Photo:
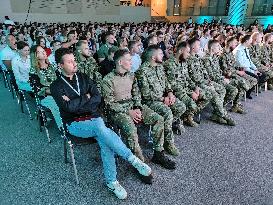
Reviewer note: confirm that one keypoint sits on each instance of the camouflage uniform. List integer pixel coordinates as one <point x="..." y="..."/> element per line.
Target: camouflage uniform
<point x="181" y="84"/>
<point x="46" y="77"/>
<point x="121" y="94"/>
<point x="153" y="86"/>
<point x="212" y="65"/>
<point x="91" y="68"/>
<point x="262" y="55"/>
<point x="209" y="90"/>
<point x="227" y="62"/>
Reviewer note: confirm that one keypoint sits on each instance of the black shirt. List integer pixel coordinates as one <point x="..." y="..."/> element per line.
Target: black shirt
<point x="77" y="106"/>
<point x="106" y="66"/>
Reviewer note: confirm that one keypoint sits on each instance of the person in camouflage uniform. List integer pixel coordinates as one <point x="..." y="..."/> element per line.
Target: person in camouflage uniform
<point x="227" y="63"/>
<point x="262" y="56"/>
<point x="211" y="63"/>
<point x="86" y="63"/>
<point x="42" y="74"/>
<point x="234" y="89"/>
<point x="157" y="94"/>
<point x="184" y="89"/>
<point x="209" y="89"/>
<point x="267" y="50"/>
<point x="123" y="101"/>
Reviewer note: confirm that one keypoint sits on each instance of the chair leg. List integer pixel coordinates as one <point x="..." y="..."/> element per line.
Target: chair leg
<point x="265" y="86"/>
<point x="245" y="96"/>
<point x="150" y="135"/>
<point x="44" y="123"/>
<point x="4" y="78"/>
<point x="73" y="161"/>
<point x="257" y="90"/>
<point x="21" y="99"/>
<point x="65" y="152"/>
<point x="28" y="110"/>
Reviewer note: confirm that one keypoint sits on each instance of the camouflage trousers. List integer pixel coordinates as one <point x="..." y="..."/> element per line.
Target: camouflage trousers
<point x="129" y="129"/>
<point x="250" y="81"/>
<point x="214" y="93"/>
<point x="191" y="107"/>
<point x="242" y="85"/>
<point x="267" y="71"/>
<point x="231" y="92"/>
<point x="169" y="114"/>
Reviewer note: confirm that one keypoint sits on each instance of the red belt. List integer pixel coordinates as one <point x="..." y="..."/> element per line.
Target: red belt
<point x="78" y="119"/>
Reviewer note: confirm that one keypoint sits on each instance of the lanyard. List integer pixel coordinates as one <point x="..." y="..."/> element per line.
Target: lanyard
<point x="78" y="86"/>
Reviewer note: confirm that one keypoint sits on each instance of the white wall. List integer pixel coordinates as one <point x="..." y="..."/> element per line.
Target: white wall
<point x="126" y="14"/>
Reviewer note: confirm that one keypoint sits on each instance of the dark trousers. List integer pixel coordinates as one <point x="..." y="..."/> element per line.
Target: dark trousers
<point x="260" y="78"/>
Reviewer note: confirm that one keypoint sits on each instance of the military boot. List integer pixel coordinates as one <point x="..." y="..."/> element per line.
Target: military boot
<point x="171" y="149"/>
<point x="229" y="120"/>
<point x="270" y="87"/>
<point x="218" y="119"/>
<point x="189" y="121"/>
<point x="178" y="127"/>
<point x="161" y="159"/>
<point x="237" y="109"/>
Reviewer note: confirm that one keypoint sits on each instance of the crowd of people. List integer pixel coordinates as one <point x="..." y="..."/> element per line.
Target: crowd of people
<point x="156" y="74"/>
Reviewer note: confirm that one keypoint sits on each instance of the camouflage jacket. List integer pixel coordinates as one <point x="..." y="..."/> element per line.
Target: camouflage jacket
<point x="120" y="92"/>
<point x="90" y="68"/>
<point x="212" y="65"/>
<point x="227" y="63"/>
<point x="44" y="80"/>
<point x="197" y="71"/>
<point x="256" y="55"/>
<point x="152" y="82"/>
<point x="267" y="54"/>
<point x="178" y="76"/>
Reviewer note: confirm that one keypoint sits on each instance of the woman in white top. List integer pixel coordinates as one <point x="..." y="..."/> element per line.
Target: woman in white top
<point x="21" y="66"/>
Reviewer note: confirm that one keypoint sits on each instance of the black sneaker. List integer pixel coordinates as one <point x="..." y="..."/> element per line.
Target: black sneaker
<point x="161" y="159"/>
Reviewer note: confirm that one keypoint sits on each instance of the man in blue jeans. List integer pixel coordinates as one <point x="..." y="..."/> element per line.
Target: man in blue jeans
<point x="78" y="99"/>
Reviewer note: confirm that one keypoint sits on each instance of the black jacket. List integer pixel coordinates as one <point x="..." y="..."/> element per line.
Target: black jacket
<point x="77" y="106"/>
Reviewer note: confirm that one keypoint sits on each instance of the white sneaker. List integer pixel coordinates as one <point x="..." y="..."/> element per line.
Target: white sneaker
<point x="141" y="167"/>
<point x="117" y="189"/>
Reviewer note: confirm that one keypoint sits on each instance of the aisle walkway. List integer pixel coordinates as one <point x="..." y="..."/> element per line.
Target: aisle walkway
<point x="218" y="164"/>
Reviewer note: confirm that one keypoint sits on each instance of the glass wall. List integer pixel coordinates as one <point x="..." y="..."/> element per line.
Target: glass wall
<point x="196" y="8"/>
<point x="262" y="8"/>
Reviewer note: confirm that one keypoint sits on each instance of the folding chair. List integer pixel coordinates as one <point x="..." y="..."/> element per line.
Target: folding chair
<point x="72" y="141"/>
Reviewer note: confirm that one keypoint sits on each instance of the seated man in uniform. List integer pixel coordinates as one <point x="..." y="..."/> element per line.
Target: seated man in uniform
<point x="157" y="94"/>
<point x="122" y="99"/>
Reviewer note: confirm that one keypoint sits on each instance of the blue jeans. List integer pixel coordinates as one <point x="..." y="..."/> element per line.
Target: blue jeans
<point x="108" y="140"/>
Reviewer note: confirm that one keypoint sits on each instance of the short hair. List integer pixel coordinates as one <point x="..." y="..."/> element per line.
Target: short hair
<point x="211" y="32"/>
<point x="131" y="44"/>
<point x="148" y="53"/>
<point x="192" y="41"/>
<point x="80" y="43"/>
<point x="150" y="37"/>
<point x="21" y="45"/>
<point x="119" y="54"/>
<point x="245" y="38"/>
<point x="59" y="53"/>
<point x="267" y="36"/>
<point x="159" y="33"/>
<point x="205" y="31"/>
<point x="211" y="43"/>
<point x="71" y="32"/>
<point x="229" y="40"/>
<point x="182" y="44"/>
